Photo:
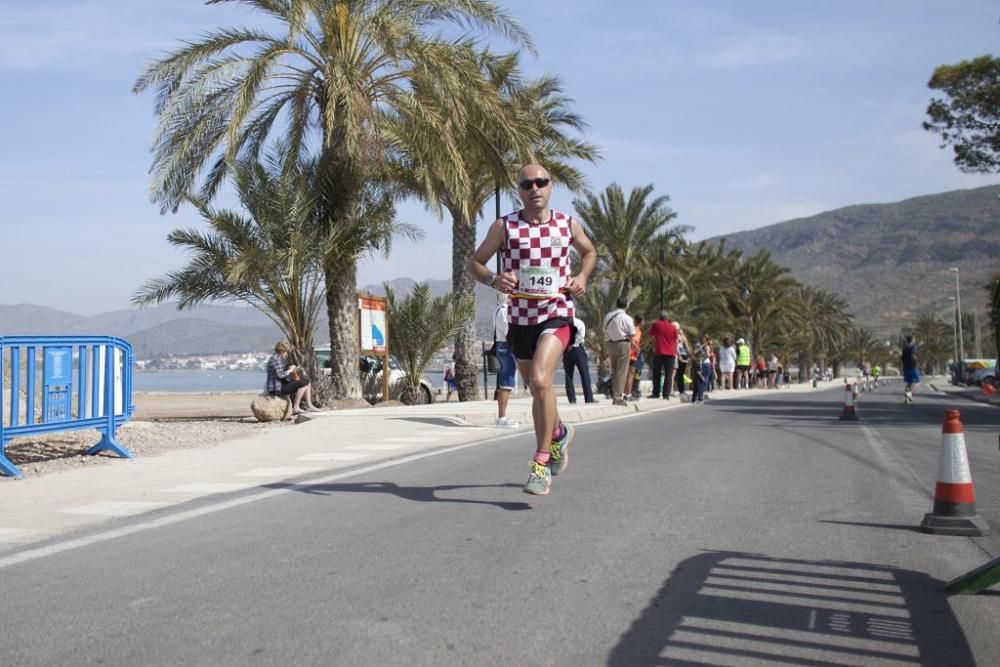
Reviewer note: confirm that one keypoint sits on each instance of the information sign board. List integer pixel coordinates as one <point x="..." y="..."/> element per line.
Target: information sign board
<point x="57" y="383"/>
<point x="373" y="324"/>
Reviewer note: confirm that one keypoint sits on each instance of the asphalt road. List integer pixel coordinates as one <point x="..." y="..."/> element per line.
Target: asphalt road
<point x="749" y="531"/>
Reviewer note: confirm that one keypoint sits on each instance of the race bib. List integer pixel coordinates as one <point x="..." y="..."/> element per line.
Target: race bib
<point x="538" y="282"/>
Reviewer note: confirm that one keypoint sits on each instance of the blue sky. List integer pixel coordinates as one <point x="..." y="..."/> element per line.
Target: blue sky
<point x="745" y="113"/>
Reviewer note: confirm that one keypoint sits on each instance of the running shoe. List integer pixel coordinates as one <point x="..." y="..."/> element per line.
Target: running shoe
<point x="507" y="422"/>
<point x="560" y="451"/>
<point x="539" y="481"/>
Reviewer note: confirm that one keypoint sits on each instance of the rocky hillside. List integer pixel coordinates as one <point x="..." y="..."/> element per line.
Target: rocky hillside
<point x="892" y="261"/>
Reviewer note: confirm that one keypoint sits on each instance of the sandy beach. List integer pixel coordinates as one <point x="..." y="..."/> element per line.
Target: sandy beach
<point x="162" y="422"/>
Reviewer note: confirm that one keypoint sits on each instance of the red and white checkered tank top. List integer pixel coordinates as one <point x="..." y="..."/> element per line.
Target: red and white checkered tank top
<point x="539" y="254"/>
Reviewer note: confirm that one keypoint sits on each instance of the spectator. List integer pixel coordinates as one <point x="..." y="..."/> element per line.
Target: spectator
<point x="683" y="356"/>
<point x="618" y="330"/>
<point x="450" y="384"/>
<point x="727" y="363"/>
<point x="507" y="365"/>
<point x="575" y="357"/>
<point x="287" y="380"/>
<point x="760" y="366"/>
<point x="743" y="362"/>
<point x="698" y="376"/>
<point x="664" y="335"/>
<point x="772" y="371"/>
<point x="635" y="353"/>
<point x="710" y="362"/>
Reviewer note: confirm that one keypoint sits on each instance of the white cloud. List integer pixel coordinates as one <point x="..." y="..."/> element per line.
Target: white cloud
<point x="71" y="35"/>
<point x="757" y="181"/>
<point x="753" y="49"/>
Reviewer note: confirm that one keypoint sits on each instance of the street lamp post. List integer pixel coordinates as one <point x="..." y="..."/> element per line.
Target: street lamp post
<point x="662" y="260"/>
<point x="954" y="337"/>
<point x="958" y="308"/>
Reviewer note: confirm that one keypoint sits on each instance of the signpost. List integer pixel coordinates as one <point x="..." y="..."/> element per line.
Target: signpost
<point x="373" y="333"/>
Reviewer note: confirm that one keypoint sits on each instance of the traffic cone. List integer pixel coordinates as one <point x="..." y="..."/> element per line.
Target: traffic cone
<point x="954" y="495"/>
<point x="848" y="414"/>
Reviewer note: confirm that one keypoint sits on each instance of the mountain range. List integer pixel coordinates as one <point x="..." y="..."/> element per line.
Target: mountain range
<point x="888" y="261"/>
<point x="891" y="262"/>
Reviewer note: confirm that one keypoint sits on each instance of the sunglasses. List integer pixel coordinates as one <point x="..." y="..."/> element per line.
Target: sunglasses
<point x="537" y="182"/>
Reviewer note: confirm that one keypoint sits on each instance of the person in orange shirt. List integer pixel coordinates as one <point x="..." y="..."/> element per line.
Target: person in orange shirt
<point x="633" y="357"/>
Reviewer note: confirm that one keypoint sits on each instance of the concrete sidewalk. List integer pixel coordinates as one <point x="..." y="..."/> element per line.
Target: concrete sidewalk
<point x="44" y="507"/>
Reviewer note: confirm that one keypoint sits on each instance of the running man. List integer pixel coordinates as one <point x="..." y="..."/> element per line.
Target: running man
<point x="535" y="247"/>
<point x="911" y="370"/>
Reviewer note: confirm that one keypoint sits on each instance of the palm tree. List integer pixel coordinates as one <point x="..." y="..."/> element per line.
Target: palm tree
<point x="268" y="258"/>
<point x="760" y="307"/>
<point x="419" y="326"/>
<point x="337" y="76"/>
<point x="622" y="231"/>
<point x="935" y="340"/>
<point x="821" y="324"/>
<point x="861" y="346"/>
<point x="993" y="288"/>
<point x="701" y="283"/>
<point x="537" y="128"/>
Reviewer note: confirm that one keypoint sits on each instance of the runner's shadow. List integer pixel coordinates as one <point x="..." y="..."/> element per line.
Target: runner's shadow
<point x="422" y="494"/>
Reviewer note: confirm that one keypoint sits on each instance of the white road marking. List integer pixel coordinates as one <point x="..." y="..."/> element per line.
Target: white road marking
<point x="14" y="534"/>
<point x="332" y="456"/>
<point x="68" y="545"/>
<point x="378" y="447"/>
<point x="210" y="487"/>
<point x="414" y="438"/>
<point x="115" y="508"/>
<point x="278" y="472"/>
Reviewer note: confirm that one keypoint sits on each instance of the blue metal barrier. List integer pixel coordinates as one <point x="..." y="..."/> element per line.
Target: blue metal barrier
<point x="103" y="389"/>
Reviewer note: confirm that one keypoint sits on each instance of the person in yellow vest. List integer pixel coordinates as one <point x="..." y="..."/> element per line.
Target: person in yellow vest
<point x="743" y="361"/>
<point x="876" y="373"/>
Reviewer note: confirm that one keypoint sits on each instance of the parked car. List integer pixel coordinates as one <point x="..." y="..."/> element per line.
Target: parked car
<point x="982" y="376"/>
<point x="370" y="369"/>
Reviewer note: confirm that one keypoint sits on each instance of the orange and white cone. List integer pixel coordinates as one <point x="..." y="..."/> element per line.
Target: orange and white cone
<point x="954" y="494"/>
<point x="848" y="414"/>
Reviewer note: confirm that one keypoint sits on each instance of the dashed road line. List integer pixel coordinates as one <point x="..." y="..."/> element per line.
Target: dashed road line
<point x="286" y="471"/>
<point x="332" y="456"/>
<point x="379" y="447"/>
<point x="210" y="487"/>
<point x="115" y="508"/>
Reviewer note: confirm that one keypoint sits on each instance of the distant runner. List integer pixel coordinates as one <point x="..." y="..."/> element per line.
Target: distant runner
<point x="911" y="370"/>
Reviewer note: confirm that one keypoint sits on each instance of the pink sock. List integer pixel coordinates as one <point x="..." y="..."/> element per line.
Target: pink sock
<point x="542" y="457"/>
<point x="559" y="432"/>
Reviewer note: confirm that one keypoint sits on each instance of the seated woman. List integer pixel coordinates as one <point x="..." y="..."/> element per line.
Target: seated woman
<point x="283" y="380"/>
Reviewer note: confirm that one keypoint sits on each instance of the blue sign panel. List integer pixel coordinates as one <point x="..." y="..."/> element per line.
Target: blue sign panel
<point x="57" y="374"/>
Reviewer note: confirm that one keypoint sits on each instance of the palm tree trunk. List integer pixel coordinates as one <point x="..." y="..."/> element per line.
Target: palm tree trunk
<point x="463" y="245"/>
<point x="342" y="309"/>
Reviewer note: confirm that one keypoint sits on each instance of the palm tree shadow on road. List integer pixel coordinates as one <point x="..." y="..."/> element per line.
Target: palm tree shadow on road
<point x="722" y="608"/>
<point x="423" y="494"/>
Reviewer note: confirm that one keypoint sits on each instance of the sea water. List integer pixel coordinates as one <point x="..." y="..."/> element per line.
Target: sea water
<point x="201" y="381"/>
